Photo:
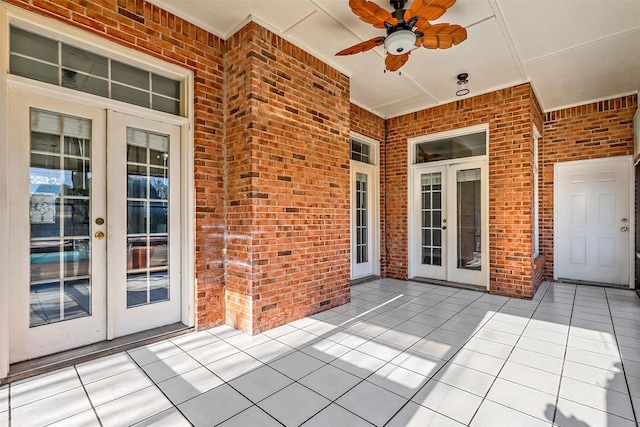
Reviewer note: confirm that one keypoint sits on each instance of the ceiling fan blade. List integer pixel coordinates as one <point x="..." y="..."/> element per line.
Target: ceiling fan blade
<point x="362" y="47"/>
<point x="427" y="10"/>
<point x="394" y="62"/>
<point x="442" y="36"/>
<point x="371" y="13"/>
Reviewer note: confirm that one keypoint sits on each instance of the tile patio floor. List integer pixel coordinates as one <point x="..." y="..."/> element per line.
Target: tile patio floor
<point x="400" y="354"/>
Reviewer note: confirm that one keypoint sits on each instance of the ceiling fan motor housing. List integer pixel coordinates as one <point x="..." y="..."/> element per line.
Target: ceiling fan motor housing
<point x="398" y="4"/>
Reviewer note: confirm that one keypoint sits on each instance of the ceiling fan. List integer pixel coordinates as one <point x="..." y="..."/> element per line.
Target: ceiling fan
<point x="407" y="29"/>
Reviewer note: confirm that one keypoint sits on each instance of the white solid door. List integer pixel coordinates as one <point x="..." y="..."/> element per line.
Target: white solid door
<point x="144" y="224"/>
<point x="593" y="221"/>
<point x="57" y="208"/>
<point x="364" y="238"/>
<point x="449" y="230"/>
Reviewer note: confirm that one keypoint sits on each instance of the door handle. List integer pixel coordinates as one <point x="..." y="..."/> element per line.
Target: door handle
<point x="99" y="235"/>
<point x="624" y="228"/>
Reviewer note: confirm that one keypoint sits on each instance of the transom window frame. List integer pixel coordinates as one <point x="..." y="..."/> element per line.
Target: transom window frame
<point x="63" y="33"/>
<point x="114" y="79"/>
<point x="415" y="141"/>
<point x="11" y="15"/>
<point x="374" y="148"/>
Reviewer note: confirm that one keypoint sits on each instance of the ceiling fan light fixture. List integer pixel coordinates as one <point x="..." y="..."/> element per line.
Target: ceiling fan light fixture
<point x="400" y="42"/>
<point x="462" y="84"/>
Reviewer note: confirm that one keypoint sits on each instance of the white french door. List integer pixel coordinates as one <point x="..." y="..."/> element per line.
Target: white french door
<point x="449" y="223"/>
<point x="94" y="225"/>
<point x="364" y="236"/>
<point x="594" y="221"/>
<point x="143" y="192"/>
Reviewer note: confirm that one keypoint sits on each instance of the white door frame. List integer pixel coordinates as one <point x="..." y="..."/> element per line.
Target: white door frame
<point x="631" y="216"/>
<point x="40" y="95"/>
<point x="373" y="170"/>
<point x="449" y="209"/>
<point x="4" y="197"/>
<point x="414" y="169"/>
<point x="10" y="14"/>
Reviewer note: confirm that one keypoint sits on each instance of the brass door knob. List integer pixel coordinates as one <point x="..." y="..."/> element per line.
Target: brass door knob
<point x="99" y="235"/>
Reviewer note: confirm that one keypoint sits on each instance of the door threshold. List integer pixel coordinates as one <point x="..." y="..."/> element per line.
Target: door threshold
<point x="588" y="283"/>
<point x="364" y="279"/>
<point x="63" y="359"/>
<point x="449" y="284"/>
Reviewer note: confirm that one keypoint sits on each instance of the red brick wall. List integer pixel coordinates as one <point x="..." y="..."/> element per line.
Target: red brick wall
<point x="146" y="28"/>
<point x="591" y="131"/>
<point x="508" y="113"/>
<point x="289" y="177"/>
<point x="366" y="123"/>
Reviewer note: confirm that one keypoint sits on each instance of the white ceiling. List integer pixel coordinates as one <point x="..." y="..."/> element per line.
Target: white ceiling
<point x="572" y="51"/>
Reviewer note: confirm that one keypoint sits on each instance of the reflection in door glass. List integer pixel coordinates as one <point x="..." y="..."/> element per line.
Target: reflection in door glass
<point x="147" y="217"/>
<point x="59" y="213"/>
<point x="431" y="225"/>
<point x="362" y="233"/>
<point x="469" y="219"/>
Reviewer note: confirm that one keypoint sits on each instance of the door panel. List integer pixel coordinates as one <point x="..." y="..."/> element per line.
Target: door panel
<point x="468" y="240"/>
<point x="145" y="275"/>
<point x="57" y="193"/>
<point x="430" y="253"/>
<point x="592" y="218"/>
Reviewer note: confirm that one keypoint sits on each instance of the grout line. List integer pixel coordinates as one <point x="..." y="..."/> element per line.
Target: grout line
<point x="93" y="407"/>
<point x="564" y="357"/>
<point x="484" y="398"/>
<point x="430" y="378"/>
<point x="624" y="373"/>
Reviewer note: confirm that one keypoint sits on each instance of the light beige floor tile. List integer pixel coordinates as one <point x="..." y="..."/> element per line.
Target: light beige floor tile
<point x="521" y="398"/>
<point x="214" y="406"/>
<point x="398" y="380"/>
<point x="42" y="386"/>
<point x="492" y="414"/>
<point x="334" y="415"/>
<point x="294" y="404"/>
<point x="371" y="402"/>
<point x="51" y="409"/>
<point x="448" y="400"/>
<point x="414" y="415"/>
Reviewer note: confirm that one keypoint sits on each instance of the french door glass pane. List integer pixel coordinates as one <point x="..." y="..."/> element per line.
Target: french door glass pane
<point x="431" y="218"/>
<point x="362" y="246"/>
<point x="59" y="215"/>
<point x="469" y="219"/>
<point x="147" y="217"/>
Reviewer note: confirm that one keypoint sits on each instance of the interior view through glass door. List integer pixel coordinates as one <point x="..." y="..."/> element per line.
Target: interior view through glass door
<point x="95" y="238"/>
